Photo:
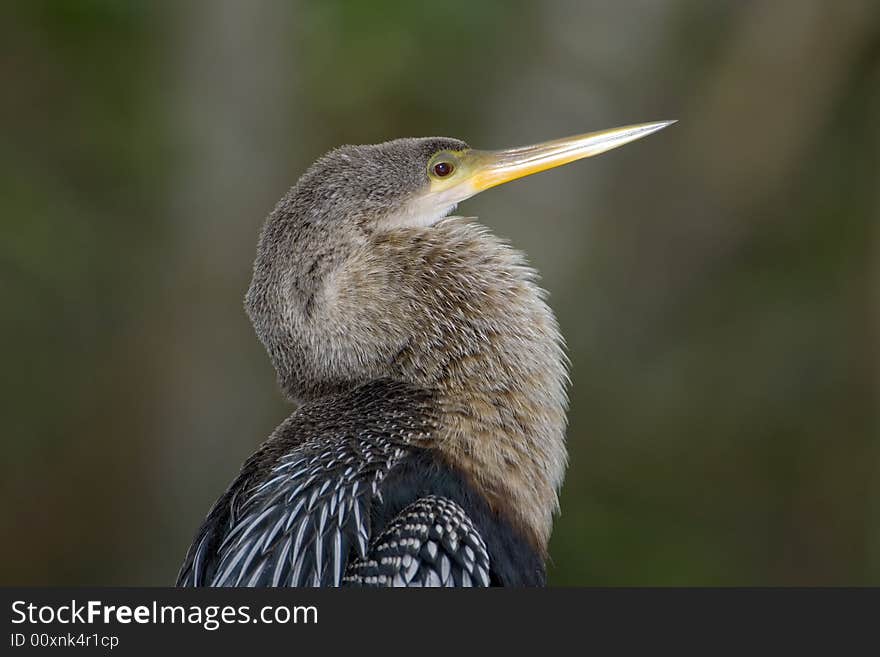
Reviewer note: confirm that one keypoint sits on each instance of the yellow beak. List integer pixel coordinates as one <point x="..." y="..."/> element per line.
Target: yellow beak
<point x="491" y="168"/>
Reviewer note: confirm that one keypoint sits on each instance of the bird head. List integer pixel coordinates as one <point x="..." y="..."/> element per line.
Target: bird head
<point x="418" y="181"/>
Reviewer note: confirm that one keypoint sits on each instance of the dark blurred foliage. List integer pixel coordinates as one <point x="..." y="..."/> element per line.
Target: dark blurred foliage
<point x="717" y="282"/>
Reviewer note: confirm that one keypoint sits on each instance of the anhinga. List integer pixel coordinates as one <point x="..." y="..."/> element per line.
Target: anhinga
<point x="429" y="444"/>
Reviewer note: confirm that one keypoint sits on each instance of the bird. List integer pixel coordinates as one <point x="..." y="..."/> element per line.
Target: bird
<point x="430" y="379"/>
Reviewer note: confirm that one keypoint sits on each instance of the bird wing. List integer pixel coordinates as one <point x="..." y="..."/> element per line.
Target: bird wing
<point x="300" y="509"/>
<point x="299" y="524"/>
<point x="431" y="542"/>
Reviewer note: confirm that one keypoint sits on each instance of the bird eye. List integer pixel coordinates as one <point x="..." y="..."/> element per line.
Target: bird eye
<point x="443" y="169"/>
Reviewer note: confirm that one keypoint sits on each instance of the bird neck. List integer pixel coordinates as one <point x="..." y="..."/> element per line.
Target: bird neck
<point x="488" y="344"/>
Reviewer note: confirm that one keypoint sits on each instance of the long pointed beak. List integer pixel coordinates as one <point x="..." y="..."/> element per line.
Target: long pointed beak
<point x="491" y="168"/>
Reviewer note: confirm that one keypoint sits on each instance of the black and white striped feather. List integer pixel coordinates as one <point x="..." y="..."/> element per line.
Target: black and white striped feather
<point x="432" y="542"/>
<point x="299" y="525"/>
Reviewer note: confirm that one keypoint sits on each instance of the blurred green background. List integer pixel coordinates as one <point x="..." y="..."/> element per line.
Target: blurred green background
<point x="718" y="283"/>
